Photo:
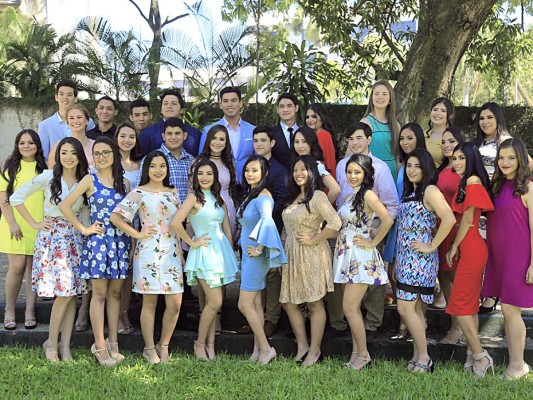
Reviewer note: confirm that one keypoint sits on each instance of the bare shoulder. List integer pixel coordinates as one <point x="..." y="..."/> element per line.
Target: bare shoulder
<point x="265" y="192"/>
<point x="473" y="180"/>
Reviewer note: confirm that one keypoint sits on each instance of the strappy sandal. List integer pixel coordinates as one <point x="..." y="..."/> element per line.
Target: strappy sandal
<point x="158" y="348"/>
<point x="117" y="357"/>
<point x="366" y="360"/>
<point x="197" y="346"/>
<point x="468" y="364"/>
<point x="30" y="322"/>
<point x="126" y="329"/>
<point x="411" y="365"/>
<point x="424" y="368"/>
<point x="148" y="356"/>
<point x="50" y="355"/>
<point x="81" y="321"/>
<point x="10" y="323"/>
<point x="346" y="364"/>
<point x="480" y="356"/>
<point x="452" y="337"/>
<point x="109" y="362"/>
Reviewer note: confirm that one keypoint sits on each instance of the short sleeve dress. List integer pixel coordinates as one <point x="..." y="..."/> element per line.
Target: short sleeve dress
<point x="104" y="256"/>
<point x="157" y="265"/>
<point x="448" y="184"/>
<point x="307" y="277"/>
<point x="381" y="144"/>
<point x="509" y="246"/>
<point x="216" y="264"/>
<point x="416" y="272"/>
<point x="34" y="204"/>
<point x="473" y="254"/>
<point x="351" y="263"/>
<point x="258" y="228"/>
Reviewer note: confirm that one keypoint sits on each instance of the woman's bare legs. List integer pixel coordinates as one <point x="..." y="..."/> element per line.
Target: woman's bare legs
<point x="446" y="283"/>
<point x="19" y="265"/>
<point x="124" y="323"/>
<point x="413" y="315"/>
<point x="170" y="318"/>
<point x="60" y="309"/>
<point x="97" y="306"/>
<point x="113" y="313"/>
<point x="515" y="332"/>
<point x="67" y="327"/>
<point x="297" y="321"/>
<point x="318" y="324"/>
<point x="147" y="327"/>
<point x="351" y="304"/>
<point x="210" y="302"/>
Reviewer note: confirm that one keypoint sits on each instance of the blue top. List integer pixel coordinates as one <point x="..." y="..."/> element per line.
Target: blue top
<point x="381" y="144"/>
<point x="151" y="138"/>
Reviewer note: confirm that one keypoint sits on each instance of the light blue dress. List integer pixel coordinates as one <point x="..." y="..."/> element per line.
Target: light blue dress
<point x="216" y="263"/>
<point x="381" y="144"/>
<point x="258" y="228"/>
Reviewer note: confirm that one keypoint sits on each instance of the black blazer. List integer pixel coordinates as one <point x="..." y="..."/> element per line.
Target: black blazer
<point x="281" y="150"/>
<point x="277" y="184"/>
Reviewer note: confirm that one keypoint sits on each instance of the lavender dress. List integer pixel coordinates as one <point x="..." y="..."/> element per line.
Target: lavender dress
<point x="508" y="240"/>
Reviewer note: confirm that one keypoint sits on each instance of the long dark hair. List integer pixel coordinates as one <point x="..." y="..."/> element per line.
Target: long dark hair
<point x="501" y="129"/>
<point x="12" y="165"/>
<point x="249" y="193"/>
<point x="135" y="153"/>
<point x="215" y="188"/>
<point x="312" y="140"/>
<point x="314" y="182"/>
<point x="473" y="167"/>
<point x="327" y="125"/>
<point x="365" y="162"/>
<point x="429" y="174"/>
<point x="420" y="138"/>
<point x="450" y="111"/>
<point x="459" y="135"/>
<point x="116" y="167"/>
<point x="145" y="177"/>
<point x="523" y="174"/>
<point x="226" y="157"/>
<point x="82" y="168"/>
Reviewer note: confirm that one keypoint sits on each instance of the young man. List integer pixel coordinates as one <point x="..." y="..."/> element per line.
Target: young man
<point x="106" y="111"/>
<point x="359" y="137"/>
<point x="140" y="114"/>
<point x="172" y="105"/>
<point x="54" y="128"/>
<point x="240" y="131"/>
<point x="287" y="106"/>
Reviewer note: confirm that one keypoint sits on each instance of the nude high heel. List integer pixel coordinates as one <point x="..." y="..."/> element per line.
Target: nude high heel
<point x="109" y="362"/>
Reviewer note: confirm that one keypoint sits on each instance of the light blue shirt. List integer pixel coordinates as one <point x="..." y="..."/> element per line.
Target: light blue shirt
<point x="53" y="129"/>
<point x="285" y="129"/>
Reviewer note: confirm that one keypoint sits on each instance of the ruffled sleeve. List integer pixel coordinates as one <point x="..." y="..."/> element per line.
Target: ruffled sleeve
<point x="322" y="171"/>
<point x="266" y="234"/>
<point x="129" y="205"/>
<point x="40" y="182"/>
<point x="475" y="196"/>
<point x="321" y="205"/>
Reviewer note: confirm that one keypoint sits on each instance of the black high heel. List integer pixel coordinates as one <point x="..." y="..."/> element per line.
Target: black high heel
<point x="302" y="358"/>
<point x="488" y="310"/>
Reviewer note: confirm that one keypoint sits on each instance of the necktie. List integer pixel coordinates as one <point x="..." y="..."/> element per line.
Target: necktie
<point x="291" y="135"/>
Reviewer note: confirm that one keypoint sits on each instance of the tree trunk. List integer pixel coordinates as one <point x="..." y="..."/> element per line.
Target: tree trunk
<point x="154" y="63"/>
<point x="445" y="29"/>
<point x="523" y="92"/>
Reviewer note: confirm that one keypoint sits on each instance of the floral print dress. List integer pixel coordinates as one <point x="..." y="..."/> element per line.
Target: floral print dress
<point x="157" y="260"/>
<point x="354" y="264"/>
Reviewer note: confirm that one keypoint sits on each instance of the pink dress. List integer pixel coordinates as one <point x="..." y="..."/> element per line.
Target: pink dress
<point x="448" y="184"/>
<point x="508" y="239"/>
<point x="224" y="179"/>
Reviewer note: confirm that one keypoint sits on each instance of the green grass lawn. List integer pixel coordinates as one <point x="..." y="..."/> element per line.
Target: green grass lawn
<point x="25" y="374"/>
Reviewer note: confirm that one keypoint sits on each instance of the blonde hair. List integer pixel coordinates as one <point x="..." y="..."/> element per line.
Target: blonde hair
<point x="77" y="106"/>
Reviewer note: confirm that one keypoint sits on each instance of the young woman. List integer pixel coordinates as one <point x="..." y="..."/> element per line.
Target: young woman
<point x="106" y="250"/>
<point x="56" y="264"/>
<point x="126" y="138"/>
<point x="471" y="251"/>
<point x="157" y="267"/>
<point x="261" y="250"/>
<point x="441" y="116"/>
<point x="77" y="120"/>
<point x="357" y="262"/>
<point x="417" y="260"/>
<point x="217" y="148"/>
<point x="307" y="276"/>
<point x="509" y="272"/>
<point x="411" y="137"/>
<point x="18" y="237"/>
<point x="381" y="116"/>
<point x="306" y="143"/>
<point x="316" y="118"/>
<point x="211" y="261"/>
<point x="448" y="184"/>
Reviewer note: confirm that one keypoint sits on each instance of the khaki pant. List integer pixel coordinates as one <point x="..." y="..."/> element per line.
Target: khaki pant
<point x="272" y="290"/>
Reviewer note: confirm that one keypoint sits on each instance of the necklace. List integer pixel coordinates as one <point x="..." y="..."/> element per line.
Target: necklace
<point x="215" y="157"/>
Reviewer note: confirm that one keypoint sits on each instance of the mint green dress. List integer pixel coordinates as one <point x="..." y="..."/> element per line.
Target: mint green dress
<point x="381" y="144"/>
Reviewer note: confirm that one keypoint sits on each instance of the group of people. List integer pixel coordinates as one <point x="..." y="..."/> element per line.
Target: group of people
<point x="84" y="213"/>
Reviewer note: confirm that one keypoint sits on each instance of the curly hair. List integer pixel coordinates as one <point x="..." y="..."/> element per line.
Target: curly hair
<point x="523" y="174"/>
<point x="365" y="162"/>
<point x="195" y="183"/>
<point x="314" y="182"/>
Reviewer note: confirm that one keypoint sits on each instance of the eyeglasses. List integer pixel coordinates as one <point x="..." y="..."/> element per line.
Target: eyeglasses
<point x="104" y="153"/>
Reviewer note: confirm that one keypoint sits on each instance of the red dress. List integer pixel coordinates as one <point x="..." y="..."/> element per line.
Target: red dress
<point x="326" y="144"/>
<point x="473" y="254"/>
<point x="448" y="184"/>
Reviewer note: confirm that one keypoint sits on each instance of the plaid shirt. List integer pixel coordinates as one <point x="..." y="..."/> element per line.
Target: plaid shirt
<point x="178" y="169"/>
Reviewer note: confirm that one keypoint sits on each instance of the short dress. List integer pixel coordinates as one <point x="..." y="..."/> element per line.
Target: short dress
<point x="258" y="228"/>
<point x="381" y="144"/>
<point x="105" y="256"/>
<point x="307" y="277"/>
<point x="57" y="254"/>
<point x="351" y="263"/>
<point x="505" y="275"/>
<point x="157" y="266"/>
<point x="34" y="204"/>
<point x="225" y="181"/>
<point x="448" y="184"/>
<point x="216" y="264"/>
<point x="416" y="272"/>
<point x="473" y="255"/>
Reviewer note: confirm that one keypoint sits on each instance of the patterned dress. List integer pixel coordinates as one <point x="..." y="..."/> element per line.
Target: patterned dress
<point x="416" y="272"/>
<point x="353" y="264"/>
<point x="104" y="256"/>
<point x="157" y="260"/>
<point x="307" y="277"/>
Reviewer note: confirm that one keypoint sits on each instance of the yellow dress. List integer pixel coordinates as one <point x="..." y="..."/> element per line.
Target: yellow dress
<point x="308" y="276"/>
<point x="34" y="203"/>
<point x="435" y="149"/>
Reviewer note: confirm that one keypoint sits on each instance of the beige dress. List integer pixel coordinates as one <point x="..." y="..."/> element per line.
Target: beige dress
<point x="308" y="275"/>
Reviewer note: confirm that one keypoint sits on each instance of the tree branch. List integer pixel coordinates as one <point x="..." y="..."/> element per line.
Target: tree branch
<point x="169" y="21"/>
<point x="141" y="12"/>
